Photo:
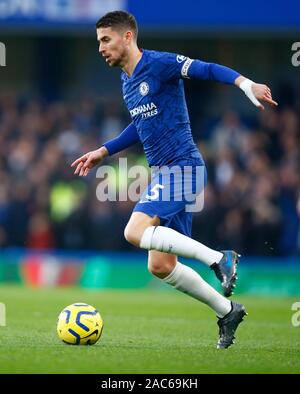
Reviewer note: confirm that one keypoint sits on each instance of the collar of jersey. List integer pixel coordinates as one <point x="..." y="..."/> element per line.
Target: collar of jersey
<point x="137" y="67"/>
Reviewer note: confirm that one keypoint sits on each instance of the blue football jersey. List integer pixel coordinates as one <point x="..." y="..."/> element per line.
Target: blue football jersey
<point x="154" y="96"/>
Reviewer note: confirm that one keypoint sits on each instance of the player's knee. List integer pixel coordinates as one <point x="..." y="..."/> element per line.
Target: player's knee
<point x="132" y="235"/>
<point x="160" y="267"/>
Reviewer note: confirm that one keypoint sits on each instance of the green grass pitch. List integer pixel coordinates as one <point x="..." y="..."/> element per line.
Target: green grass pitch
<point x="145" y="331"/>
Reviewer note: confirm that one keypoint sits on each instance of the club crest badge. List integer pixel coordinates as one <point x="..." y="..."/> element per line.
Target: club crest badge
<point x="144" y="88"/>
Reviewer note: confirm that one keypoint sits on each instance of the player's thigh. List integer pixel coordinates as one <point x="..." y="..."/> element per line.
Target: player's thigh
<point x="137" y="224"/>
<point x="160" y="262"/>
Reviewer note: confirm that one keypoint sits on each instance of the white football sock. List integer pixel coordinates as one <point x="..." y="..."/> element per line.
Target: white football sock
<point x="164" y="239"/>
<point x="186" y="280"/>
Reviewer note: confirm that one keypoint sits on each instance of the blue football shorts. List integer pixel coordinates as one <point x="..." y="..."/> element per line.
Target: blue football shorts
<point x="174" y="194"/>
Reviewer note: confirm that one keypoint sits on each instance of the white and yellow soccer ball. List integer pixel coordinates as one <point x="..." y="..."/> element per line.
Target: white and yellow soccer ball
<point x="79" y="324"/>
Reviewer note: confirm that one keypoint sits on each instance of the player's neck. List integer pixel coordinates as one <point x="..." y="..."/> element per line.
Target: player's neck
<point x="132" y="60"/>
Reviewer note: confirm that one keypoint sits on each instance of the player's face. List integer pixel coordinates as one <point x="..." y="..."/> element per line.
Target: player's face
<point x="112" y="45"/>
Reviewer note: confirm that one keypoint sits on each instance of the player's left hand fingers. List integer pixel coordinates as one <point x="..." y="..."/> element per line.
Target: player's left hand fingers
<point x="269" y="100"/>
<point x="267" y="96"/>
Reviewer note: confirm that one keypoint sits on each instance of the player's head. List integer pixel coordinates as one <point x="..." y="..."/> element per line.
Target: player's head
<point x="116" y="32"/>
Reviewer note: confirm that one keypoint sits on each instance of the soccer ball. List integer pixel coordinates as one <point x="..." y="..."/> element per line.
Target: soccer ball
<point x="79" y="324"/>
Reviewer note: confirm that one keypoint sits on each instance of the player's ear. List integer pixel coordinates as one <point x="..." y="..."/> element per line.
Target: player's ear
<point x="128" y="36"/>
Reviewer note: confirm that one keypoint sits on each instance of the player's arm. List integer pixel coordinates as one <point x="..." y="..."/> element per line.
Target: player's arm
<point x="85" y="163"/>
<point x="217" y="72"/>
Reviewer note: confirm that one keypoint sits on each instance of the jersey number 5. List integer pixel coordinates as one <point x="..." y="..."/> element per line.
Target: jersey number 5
<point x="154" y="192"/>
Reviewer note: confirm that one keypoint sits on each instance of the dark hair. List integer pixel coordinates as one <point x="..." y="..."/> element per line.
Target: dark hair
<point x="121" y="19"/>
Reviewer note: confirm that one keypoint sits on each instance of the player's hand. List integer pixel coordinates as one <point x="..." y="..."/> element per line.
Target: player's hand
<point x="255" y="92"/>
<point x="86" y="162"/>
<point x="263" y="93"/>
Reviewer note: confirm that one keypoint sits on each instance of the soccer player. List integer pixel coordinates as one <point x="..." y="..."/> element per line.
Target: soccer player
<point x="153" y="91"/>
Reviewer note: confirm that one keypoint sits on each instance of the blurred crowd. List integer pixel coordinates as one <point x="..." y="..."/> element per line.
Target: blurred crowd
<point x="252" y="199"/>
